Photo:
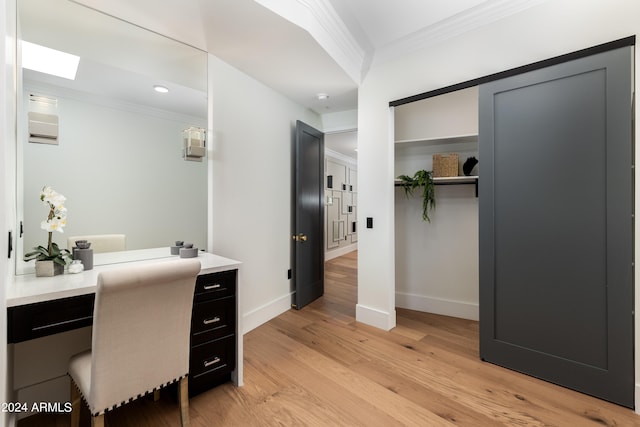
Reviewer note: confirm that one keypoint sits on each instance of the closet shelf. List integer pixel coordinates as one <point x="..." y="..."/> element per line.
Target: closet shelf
<point x="472" y="137"/>
<point x="450" y="180"/>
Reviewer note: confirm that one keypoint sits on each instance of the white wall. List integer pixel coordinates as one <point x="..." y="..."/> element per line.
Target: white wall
<point x="121" y="169"/>
<point x="252" y="140"/>
<point x="340" y="121"/>
<point x="437" y="261"/>
<point x="7" y="184"/>
<point x="449" y="115"/>
<point x="550" y="29"/>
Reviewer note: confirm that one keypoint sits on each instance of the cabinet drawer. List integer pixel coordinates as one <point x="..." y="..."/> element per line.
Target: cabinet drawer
<point x="213" y="319"/>
<point x="213" y="358"/>
<point x="215" y="285"/>
<point x="25" y="322"/>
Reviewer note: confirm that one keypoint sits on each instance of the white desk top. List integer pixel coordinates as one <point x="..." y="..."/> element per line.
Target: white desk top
<point x="27" y="288"/>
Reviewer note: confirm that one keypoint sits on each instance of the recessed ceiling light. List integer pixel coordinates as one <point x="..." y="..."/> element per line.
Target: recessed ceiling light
<point x="322" y="96"/>
<point x="160" y="89"/>
<point x="49" y="61"/>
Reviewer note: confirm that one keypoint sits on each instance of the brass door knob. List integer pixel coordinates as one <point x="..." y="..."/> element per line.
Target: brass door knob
<point x="300" y="237"/>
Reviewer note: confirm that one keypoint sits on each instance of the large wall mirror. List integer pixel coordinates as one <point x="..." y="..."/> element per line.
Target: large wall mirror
<point x="118" y="157"/>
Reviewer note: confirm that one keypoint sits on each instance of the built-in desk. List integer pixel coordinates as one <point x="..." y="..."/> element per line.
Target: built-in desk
<point x="27" y="288"/>
<point x="38" y="308"/>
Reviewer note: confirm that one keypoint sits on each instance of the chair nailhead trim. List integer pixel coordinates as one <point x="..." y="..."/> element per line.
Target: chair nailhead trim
<point x="131" y="399"/>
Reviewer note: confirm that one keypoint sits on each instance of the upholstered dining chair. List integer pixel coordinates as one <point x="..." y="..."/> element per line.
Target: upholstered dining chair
<point x="140" y="342"/>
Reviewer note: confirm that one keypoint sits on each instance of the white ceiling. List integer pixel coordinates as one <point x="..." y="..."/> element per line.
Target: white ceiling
<point x="301" y="48"/>
<point x="304" y="47"/>
<point x="344" y="143"/>
<point x="384" y="22"/>
<point x="251" y="38"/>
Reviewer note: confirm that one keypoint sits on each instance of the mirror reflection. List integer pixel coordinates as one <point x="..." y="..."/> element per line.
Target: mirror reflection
<point x="116" y="152"/>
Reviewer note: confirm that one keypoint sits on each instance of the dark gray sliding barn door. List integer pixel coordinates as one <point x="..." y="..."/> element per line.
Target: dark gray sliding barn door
<point x="556" y="225"/>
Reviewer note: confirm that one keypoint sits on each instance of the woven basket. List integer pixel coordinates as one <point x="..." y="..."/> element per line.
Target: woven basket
<point x="445" y="164"/>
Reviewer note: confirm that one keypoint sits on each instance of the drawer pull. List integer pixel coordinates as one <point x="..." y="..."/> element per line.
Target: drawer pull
<point x="64" y="322"/>
<point x="213" y="361"/>
<point x="210" y="321"/>
<point x="214" y="286"/>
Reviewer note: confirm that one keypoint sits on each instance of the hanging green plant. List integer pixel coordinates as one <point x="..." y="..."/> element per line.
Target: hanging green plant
<point x="424" y="179"/>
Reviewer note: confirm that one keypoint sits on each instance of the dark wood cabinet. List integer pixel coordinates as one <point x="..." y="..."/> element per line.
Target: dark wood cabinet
<point x="213" y="331"/>
<point x="29" y="321"/>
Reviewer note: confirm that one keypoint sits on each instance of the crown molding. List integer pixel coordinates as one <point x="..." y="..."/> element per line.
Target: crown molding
<point x="320" y="19"/>
<point x="476" y="17"/>
<point x="339" y="34"/>
<point x="339" y="156"/>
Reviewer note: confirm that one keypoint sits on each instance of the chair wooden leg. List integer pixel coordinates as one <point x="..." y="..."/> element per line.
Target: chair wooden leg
<point x="76" y="402"/>
<point x="97" y="421"/>
<point x="183" y="402"/>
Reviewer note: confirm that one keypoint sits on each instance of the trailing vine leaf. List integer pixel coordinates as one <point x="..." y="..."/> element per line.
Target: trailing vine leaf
<point x="421" y="178"/>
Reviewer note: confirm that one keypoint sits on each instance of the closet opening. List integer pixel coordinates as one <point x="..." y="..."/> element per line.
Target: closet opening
<point x="437" y="258"/>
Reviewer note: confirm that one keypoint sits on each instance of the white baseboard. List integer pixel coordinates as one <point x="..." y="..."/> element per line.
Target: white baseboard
<point x="266" y="312"/>
<point x="335" y="253"/>
<point x="377" y="318"/>
<point x="464" y="310"/>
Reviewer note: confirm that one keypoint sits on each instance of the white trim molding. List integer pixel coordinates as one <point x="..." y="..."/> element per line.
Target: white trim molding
<point x="335" y="253"/>
<point x="475" y="17"/>
<point x="376" y="318"/>
<point x="445" y="307"/>
<point x="320" y="19"/>
<point x="265" y="312"/>
<point x="339" y="156"/>
<point x="323" y="22"/>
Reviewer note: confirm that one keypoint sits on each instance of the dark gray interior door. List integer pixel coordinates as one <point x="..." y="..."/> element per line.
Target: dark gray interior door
<point x="308" y="250"/>
<point x="556" y="224"/>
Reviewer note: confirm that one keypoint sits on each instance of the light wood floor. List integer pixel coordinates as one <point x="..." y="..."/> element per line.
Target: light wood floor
<point x="319" y="367"/>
